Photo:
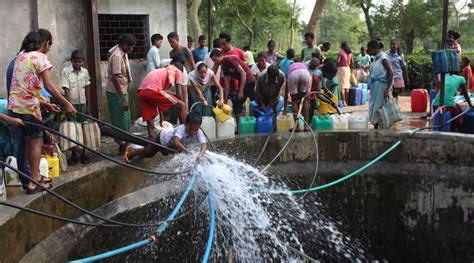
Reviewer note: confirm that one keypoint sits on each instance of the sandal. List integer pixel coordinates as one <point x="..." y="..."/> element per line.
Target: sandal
<point x="34" y="190"/>
<point x="125" y="154"/>
<point x="45" y="183"/>
<point x="46" y="180"/>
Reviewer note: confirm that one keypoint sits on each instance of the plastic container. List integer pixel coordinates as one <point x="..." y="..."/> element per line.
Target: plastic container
<point x="265" y="124"/>
<point x="321" y="123"/>
<point x="340" y="122"/>
<point x="446" y="117"/>
<point x="358" y="122"/>
<point x="43" y="167"/>
<point x="341" y="105"/>
<point x="222" y="114"/>
<point x="284" y="123"/>
<point x="433" y="94"/>
<point x="11" y="177"/>
<point x="419" y="100"/>
<point x="362" y="86"/>
<point x="226" y="129"/>
<point x="364" y="96"/>
<point x="53" y="165"/>
<point x="208" y="126"/>
<point x="325" y="108"/>
<point x="468" y="123"/>
<point x="247" y="125"/>
<point x="354" y="96"/>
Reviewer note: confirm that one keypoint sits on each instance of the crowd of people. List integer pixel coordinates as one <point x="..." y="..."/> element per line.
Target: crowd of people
<point x="212" y="77"/>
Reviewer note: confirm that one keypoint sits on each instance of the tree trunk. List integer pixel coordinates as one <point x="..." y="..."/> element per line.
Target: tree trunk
<point x="316" y="15"/>
<point x="409" y="39"/>
<point x="249" y="29"/>
<point x="194" y="17"/>
<point x="368" y="20"/>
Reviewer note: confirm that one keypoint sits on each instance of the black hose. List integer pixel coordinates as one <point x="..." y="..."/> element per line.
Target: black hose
<point x="104" y="155"/>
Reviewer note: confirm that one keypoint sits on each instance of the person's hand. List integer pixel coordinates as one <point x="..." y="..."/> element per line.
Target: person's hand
<point x="220" y="103"/>
<point x="15" y="122"/>
<point x="71" y="111"/>
<point x="240" y="96"/>
<point x="204" y="102"/>
<point x="125" y="105"/>
<point x="53" y="108"/>
<point x="199" y="159"/>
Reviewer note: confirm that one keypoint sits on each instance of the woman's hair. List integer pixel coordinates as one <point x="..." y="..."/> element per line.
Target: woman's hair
<point x="329" y="67"/>
<point x="200" y="66"/>
<point x="77" y="54"/>
<point x="454" y="34"/>
<point x="31" y="42"/>
<point x="215" y="53"/>
<point x="190" y="39"/>
<point x="375" y="44"/>
<point x="466" y="60"/>
<point x="128" y="39"/>
<point x="273" y="71"/>
<point x="194" y="117"/>
<point x="45" y="36"/>
<point x="345" y="47"/>
<point x="271" y="42"/>
<point x="290" y="53"/>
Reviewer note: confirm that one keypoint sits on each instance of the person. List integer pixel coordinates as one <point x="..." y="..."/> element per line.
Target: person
<point x="400" y="73"/>
<point x="286" y="62"/>
<point x="322" y="83"/>
<point x="200" y="53"/>
<point x="210" y="65"/>
<point x="75" y="81"/>
<point x="179" y="138"/>
<point x="234" y="68"/>
<point x="344" y="64"/>
<point x="324" y="48"/>
<point x="268" y="88"/>
<point x="363" y="60"/>
<point x="153" y="58"/>
<point x="310" y="47"/>
<point x="178" y="50"/>
<point x="453" y="83"/>
<point x="379" y="81"/>
<point x="313" y="67"/>
<point x="455" y="36"/>
<point x="271" y="55"/>
<point x="200" y="81"/>
<point x="228" y="49"/>
<point x="297" y="85"/>
<point x="467" y="73"/>
<point x="190" y="43"/>
<point x="31" y="71"/>
<point x="249" y="56"/>
<point x="153" y="95"/>
<point x="261" y="66"/>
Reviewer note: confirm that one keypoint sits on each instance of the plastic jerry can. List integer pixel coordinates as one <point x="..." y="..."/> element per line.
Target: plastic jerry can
<point x="468" y="123"/>
<point x="321" y="123"/>
<point x="354" y="96"/>
<point x="446" y="117"/>
<point x="433" y="94"/>
<point x="419" y="100"/>
<point x="265" y="124"/>
<point x="208" y="126"/>
<point x="11" y="177"/>
<point x="222" y="114"/>
<point x="53" y="165"/>
<point x="226" y="129"/>
<point x="362" y="86"/>
<point x="364" y="96"/>
<point x="43" y="167"/>
<point x="284" y="123"/>
<point x="358" y="122"/>
<point x="340" y="122"/>
<point x="325" y="108"/>
<point x="247" y="125"/>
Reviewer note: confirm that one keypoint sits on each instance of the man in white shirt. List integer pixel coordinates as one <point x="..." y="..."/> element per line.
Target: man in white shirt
<point x="153" y="58"/>
<point x="178" y="138"/>
<point x="261" y="66"/>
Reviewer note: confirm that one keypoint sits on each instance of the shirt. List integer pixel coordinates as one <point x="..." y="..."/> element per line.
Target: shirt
<point x="166" y="136"/>
<point x="200" y="54"/>
<point x="363" y="61"/>
<point x="467" y="74"/>
<point x="345" y="59"/>
<point x="271" y="57"/>
<point x="451" y="86"/>
<point x="158" y="79"/>
<point x="249" y="57"/>
<point x="75" y="83"/>
<point x="398" y="63"/>
<point x="307" y="51"/>
<point x="118" y="65"/>
<point x="268" y="91"/>
<point x="186" y="54"/>
<point x="202" y="82"/>
<point x="25" y="90"/>
<point x="285" y="64"/>
<point x="295" y="66"/>
<point x="229" y="68"/>
<point x="153" y="59"/>
<point x="257" y="72"/>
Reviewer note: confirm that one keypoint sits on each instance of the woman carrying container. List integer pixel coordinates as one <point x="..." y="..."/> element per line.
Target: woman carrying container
<point x="200" y="81"/>
<point x="379" y="81"/>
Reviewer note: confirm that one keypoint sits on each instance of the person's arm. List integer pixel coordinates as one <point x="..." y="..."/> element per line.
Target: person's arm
<point x="157" y="59"/>
<point x="179" y="145"/>
<point x="197" y="90"/>
<point x="190" y="58"/>
<point x="405" y="72"/>
<point x="243" y="79"/>
<point x="464" y="92"/>
<point x="116" y="82"/>
<point x="87" y="89"/>
<point x="259" y="95"/>
<point x="202" y="151"/>
<point x="388" y="68"/>
<point x="226" y="86"/>
<point x="285" y="99"/>
<point x="216" y="82"/>
<point x="49" y="86"/>
<point x="10" y="120"/>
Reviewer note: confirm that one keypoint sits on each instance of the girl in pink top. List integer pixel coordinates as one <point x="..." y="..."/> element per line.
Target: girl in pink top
<point x="344" y="64"/>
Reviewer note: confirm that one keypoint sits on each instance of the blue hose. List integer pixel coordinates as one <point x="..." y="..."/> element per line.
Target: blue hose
<point x="146" y="241"/>
<point x="212" y="222"/>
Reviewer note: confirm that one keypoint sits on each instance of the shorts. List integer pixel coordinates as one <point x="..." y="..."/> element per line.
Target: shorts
<point x="299" y="81"/>
<point x="249" y="92"/>
<point x="150" y="100"/>
<point x="30" y="131"/>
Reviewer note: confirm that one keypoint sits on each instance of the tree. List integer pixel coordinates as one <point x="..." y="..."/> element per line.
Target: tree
<point x="194" y="18"/>
<point x="366" y="5"/>
<point x="316" y="14"/>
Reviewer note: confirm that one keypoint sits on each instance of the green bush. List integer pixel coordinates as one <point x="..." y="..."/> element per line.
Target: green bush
<point x="420" y="71"/>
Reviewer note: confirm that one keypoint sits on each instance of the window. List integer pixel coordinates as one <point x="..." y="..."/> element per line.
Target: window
<point x="111" y="27"/>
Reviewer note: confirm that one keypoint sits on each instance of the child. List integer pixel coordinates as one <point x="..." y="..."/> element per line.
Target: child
<point x="178" y="138"/>
<point x="261" y="66"/>
<point x="75" y="81"/>
<point x="310" y="47"/>
<point x="200" y="53"/>
<point x="180" y="51"/>
<point x="271" y="55"/>
<point x="153" y="58"/>
<point x="467" y="72"/>
<point x="286" y="62"/>
<point x="190" y="43"/>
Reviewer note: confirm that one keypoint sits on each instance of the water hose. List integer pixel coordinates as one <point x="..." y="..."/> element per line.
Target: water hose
<point x="140" y="169"/>
<point x="153" y="237"/>
<point x="316" y="169"/>
<point x="212" y="222"/>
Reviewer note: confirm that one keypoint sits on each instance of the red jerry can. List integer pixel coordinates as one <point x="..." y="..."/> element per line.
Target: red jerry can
<point x="419" y="100"/>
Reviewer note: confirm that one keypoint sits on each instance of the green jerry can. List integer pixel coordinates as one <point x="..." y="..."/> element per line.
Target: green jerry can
<point x="321" y="123"/>
<point x="248" y="125"/>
